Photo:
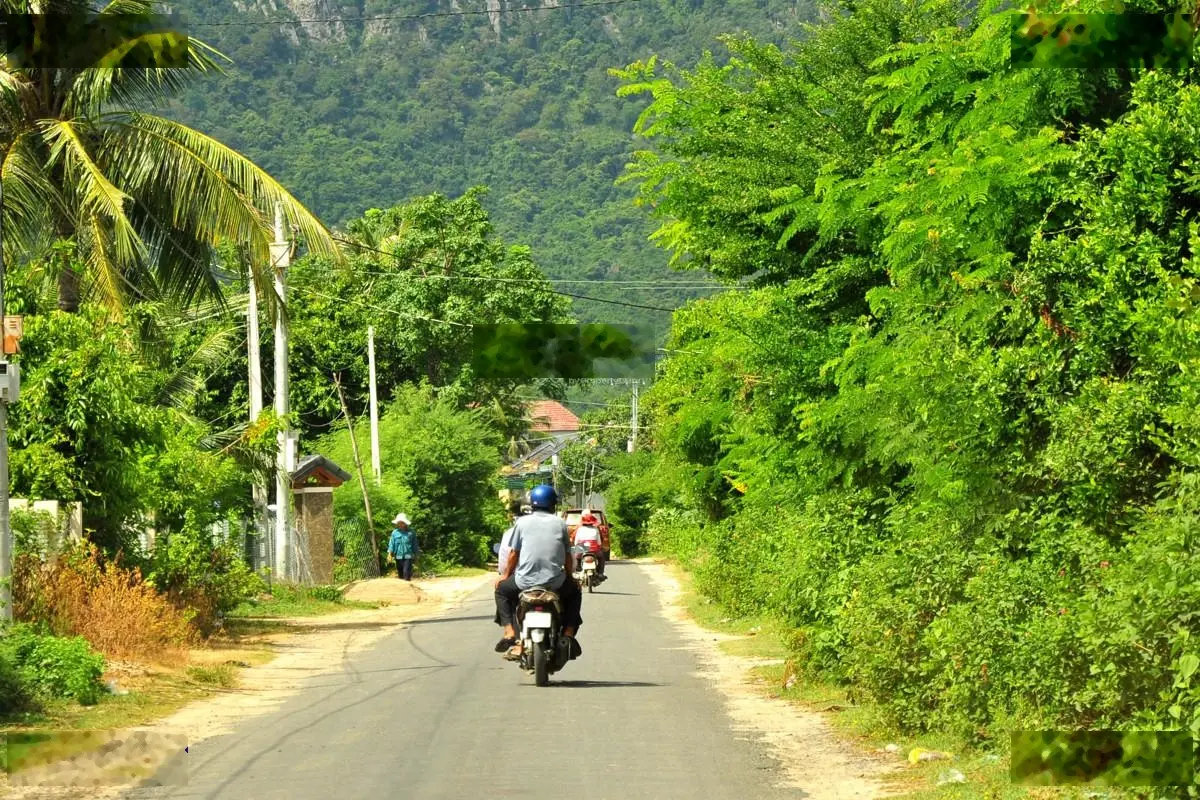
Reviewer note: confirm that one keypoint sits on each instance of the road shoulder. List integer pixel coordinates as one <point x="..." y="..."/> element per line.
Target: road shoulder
<point x="811" y="756"/>
<point x="307" y="648"/>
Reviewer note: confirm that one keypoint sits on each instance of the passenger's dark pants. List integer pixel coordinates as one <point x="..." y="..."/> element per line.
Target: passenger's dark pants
<point x="404" y="568"/>
<point x="508" y="597"/>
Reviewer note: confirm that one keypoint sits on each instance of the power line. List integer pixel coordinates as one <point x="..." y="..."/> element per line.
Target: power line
<point x="616" y="302"/>
<point x="603" y="281"/>
<point x="552" y="291"/>
<point x="387" y="311"/>
<point x="426" y="15"/>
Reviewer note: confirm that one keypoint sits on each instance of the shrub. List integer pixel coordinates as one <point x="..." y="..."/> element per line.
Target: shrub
<point x="205" y="578"/>
<point x="54" y="666"/>
<point x="107" y="604"/>
<point x="14" y="694"/>
<point x="439" y="462"/>
<point x="221" y="675"/>
<point x="330" y="594"/>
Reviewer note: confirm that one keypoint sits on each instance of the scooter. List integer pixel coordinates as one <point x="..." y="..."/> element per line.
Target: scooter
<point x="587" y="567"/>
<point x="544" y="649"/>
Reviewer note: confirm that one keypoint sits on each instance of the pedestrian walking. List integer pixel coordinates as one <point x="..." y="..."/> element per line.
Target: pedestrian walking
<point x="402" y="546"/>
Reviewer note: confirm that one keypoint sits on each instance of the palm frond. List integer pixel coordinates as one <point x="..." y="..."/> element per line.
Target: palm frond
<point x="29" y="196"/>
<point x="96" y="194"/>
<point x="104" y="276"/>
<point x="197" y="183"/>
<point x="94" y="90"/>
<point x="216" y="349"/>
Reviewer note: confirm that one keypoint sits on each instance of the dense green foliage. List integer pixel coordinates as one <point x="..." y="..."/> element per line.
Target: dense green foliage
<point x="951" y="435"/>
<point x="439" y="464"/>
<point x="422" y="274"/>
<point x="52" y="666"/>
<point x="352" y="116"/>
<point x="95" y="424"/>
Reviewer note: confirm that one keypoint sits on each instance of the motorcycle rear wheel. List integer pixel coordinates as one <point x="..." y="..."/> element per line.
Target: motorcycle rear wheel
<point x="541" y="665"/>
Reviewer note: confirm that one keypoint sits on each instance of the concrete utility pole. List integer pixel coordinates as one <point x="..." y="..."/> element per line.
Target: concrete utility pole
<point x="254" y="355"/>
<point x="633" y="422"/>
<point x="6" y="538"/>
<point x="375" y="463"/>
<point x="281" y="255"/>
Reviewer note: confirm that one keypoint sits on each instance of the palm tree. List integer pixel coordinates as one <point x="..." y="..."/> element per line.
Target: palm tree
<point x="144" y="198"/>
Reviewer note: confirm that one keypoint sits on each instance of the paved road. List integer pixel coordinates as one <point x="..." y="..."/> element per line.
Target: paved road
<point x="431" y="712"/>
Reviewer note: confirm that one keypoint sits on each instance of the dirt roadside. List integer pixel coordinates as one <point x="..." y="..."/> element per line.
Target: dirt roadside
<point x="309" y="647"/>
<point x="814" y="760"/>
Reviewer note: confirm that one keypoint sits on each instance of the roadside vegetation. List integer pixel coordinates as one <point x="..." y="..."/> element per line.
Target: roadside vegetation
<point x="134" y="387"/>
<point x="944" y="427"/>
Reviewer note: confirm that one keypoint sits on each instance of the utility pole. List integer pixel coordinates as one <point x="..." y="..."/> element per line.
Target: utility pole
<point x="10" y="379"/>
<point x="633" y="422"/>
<point x="375" y="464"/>
<point x="281" y="253"/>
<point x="254" y="354"/>
<point x="373" y="570"/>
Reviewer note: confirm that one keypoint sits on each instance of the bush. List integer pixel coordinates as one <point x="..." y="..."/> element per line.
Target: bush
<point x="206" y="579"/>
<point x="55" y="667"/>
<point x="107" y="604"/>
<point x="330" y="594"/>
<point x="14" y="694"/>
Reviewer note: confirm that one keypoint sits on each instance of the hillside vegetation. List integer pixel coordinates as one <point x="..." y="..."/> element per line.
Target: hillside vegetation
<point x="355" y="116"/>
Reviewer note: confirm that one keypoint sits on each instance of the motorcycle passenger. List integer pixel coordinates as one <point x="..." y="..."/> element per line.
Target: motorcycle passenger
<point x="587" y="536"/>
<point x="514" y="513"/>
<point x="540" y="557"/>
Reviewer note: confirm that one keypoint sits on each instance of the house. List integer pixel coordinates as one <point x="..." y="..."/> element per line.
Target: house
<point x="548" y="417"/>
<point x="552" y="426"/>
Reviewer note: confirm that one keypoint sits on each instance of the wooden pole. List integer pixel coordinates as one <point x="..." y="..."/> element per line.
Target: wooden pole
<point x="375" y="462"/>
<point x="362" y="479"/>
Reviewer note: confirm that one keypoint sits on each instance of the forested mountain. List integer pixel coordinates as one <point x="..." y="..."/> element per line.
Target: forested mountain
<point x="354" y="115"/>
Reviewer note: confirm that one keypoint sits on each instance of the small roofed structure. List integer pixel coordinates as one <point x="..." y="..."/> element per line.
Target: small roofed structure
<point x="318" y="471"/>
<point x="313" y="482"/>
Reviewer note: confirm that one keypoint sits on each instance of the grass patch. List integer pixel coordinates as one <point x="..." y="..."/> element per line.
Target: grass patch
<point x="296" y="601"/>
<point x="452" y="572"/>
<point x="221" y="676"/>
<point x="149" y="698"/>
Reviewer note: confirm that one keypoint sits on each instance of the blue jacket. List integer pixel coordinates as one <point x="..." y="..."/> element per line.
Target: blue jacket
<point x="403" y="544"/>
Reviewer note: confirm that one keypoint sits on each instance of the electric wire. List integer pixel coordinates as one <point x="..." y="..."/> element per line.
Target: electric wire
<point x="405" y="17"/>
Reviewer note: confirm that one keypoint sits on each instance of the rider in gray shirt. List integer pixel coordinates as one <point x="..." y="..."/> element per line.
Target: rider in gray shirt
<point x="543" y="542"/>
<point x="540" y="557"/>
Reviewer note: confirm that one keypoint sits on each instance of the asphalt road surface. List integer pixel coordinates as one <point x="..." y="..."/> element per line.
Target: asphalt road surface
<point x="432" y="712"/>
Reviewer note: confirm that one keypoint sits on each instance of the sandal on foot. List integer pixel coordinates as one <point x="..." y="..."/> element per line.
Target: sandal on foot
<point x="576" y="650"/>
<point x="513" y="654"/>
<point x="505" y="644"/>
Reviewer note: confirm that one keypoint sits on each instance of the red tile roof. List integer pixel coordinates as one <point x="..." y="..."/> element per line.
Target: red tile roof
<point x="547" y="416"/>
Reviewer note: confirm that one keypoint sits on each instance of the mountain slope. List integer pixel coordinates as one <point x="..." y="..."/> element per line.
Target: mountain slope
<point x="353" y="115"/>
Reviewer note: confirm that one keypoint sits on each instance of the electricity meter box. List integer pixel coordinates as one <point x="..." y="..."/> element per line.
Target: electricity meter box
<point x="10" y="382"/>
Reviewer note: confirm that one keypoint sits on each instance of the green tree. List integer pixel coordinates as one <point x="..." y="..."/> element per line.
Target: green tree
<point x="439" y="464"/>
<point x="423" y="274"/>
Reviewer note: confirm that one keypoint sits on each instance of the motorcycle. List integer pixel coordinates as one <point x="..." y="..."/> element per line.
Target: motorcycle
<point x="544" y="649"/>
<point x="587" y="566"/>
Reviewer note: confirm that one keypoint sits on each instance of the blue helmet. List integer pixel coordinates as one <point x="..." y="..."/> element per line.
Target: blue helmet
<point x="543" y="496"/>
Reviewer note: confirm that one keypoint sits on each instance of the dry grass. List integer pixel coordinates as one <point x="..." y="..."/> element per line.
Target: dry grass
<point x="112" y="607"/>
